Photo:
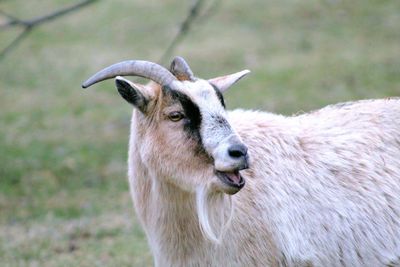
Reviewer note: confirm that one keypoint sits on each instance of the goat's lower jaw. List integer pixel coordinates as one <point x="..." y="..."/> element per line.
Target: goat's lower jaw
<point x="233" y="180"/>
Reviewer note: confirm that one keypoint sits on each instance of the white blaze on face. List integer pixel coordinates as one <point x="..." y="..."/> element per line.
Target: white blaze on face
<point x="216" y="133"/>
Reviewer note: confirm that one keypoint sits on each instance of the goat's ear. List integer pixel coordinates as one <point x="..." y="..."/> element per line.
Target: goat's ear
<point x="133" y="93"/>
<point x="224" y="82"/>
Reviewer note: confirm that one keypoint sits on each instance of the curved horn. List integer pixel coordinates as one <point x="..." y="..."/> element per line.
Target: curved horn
<point x="145" y="69"/>
<point x="181" y="69"/>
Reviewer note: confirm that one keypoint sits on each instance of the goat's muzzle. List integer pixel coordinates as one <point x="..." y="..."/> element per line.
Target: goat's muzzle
<point x="229" y="175"/>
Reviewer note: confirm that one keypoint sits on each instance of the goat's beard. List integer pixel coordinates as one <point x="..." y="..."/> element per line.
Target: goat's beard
<point x="215" y="212"/>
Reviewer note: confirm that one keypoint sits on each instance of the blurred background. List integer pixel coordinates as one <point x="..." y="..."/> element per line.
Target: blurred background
<point x="64" y="197"/>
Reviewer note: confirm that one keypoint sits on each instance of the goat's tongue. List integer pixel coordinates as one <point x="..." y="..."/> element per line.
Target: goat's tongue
<point x="233" y="176"/>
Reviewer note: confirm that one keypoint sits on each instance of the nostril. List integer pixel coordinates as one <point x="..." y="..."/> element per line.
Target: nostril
<point x="237" y="151"/>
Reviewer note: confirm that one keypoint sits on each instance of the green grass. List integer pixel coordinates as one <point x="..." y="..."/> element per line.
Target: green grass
<point x="64" y="197"/>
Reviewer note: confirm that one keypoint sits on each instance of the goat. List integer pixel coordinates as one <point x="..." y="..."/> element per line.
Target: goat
<point x="250" y="188"/>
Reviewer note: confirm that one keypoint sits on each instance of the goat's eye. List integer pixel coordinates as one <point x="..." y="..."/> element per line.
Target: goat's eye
<point x="175" y="116"/>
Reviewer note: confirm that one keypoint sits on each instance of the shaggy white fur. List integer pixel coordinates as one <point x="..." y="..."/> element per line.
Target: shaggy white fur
<point x="322" y="190"/>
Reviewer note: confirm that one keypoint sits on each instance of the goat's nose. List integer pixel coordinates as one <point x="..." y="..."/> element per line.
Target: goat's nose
<point x="237" y="151"/>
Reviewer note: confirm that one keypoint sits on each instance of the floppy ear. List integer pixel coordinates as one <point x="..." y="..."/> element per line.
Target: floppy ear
<point x="133" y="93"/>
<point x="224" y="82"/>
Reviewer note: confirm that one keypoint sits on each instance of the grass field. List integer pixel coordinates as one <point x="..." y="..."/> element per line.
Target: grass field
<point x="64" y="197"/>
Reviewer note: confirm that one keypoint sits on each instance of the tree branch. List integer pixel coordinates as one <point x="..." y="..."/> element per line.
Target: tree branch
<point x="11" y="20"/>
<point x="28" y="25"/>
<point x="194" y="12"/>
<point x="210" y="11"/>
<point x="15" y="42"/>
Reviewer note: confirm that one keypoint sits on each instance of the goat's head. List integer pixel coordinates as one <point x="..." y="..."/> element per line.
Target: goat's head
<point x="183" y="123"/>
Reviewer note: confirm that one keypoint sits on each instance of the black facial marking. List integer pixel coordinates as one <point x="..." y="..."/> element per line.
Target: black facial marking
<point x="219" y="94"/>
<point x="193" y="118"/>
<point x="192" y="112"/>
<point x="131" y="95"/>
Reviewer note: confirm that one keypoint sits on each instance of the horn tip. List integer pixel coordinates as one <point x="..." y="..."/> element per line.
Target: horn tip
<point x="85" y="85"/>
<point x="89" y="82"/>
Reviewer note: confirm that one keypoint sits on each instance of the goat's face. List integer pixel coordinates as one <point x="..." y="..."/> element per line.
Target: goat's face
<point x="184" y="136"/>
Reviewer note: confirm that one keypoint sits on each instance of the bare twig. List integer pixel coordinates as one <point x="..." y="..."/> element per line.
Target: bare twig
<point x="195" y="12"/>
<point x="184" y="28"/>
<point x="210" y="11"/>
<point x="28" y="25"/>
<point x="15" y="42"/>
<point x="11" y="20"/>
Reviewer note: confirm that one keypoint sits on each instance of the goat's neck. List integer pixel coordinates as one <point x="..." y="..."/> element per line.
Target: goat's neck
<point x="171" y="222"/>
<point x="167" y="213"/>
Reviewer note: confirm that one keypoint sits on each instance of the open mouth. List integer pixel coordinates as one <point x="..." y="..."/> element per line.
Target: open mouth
<point x="233" y="178"/>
